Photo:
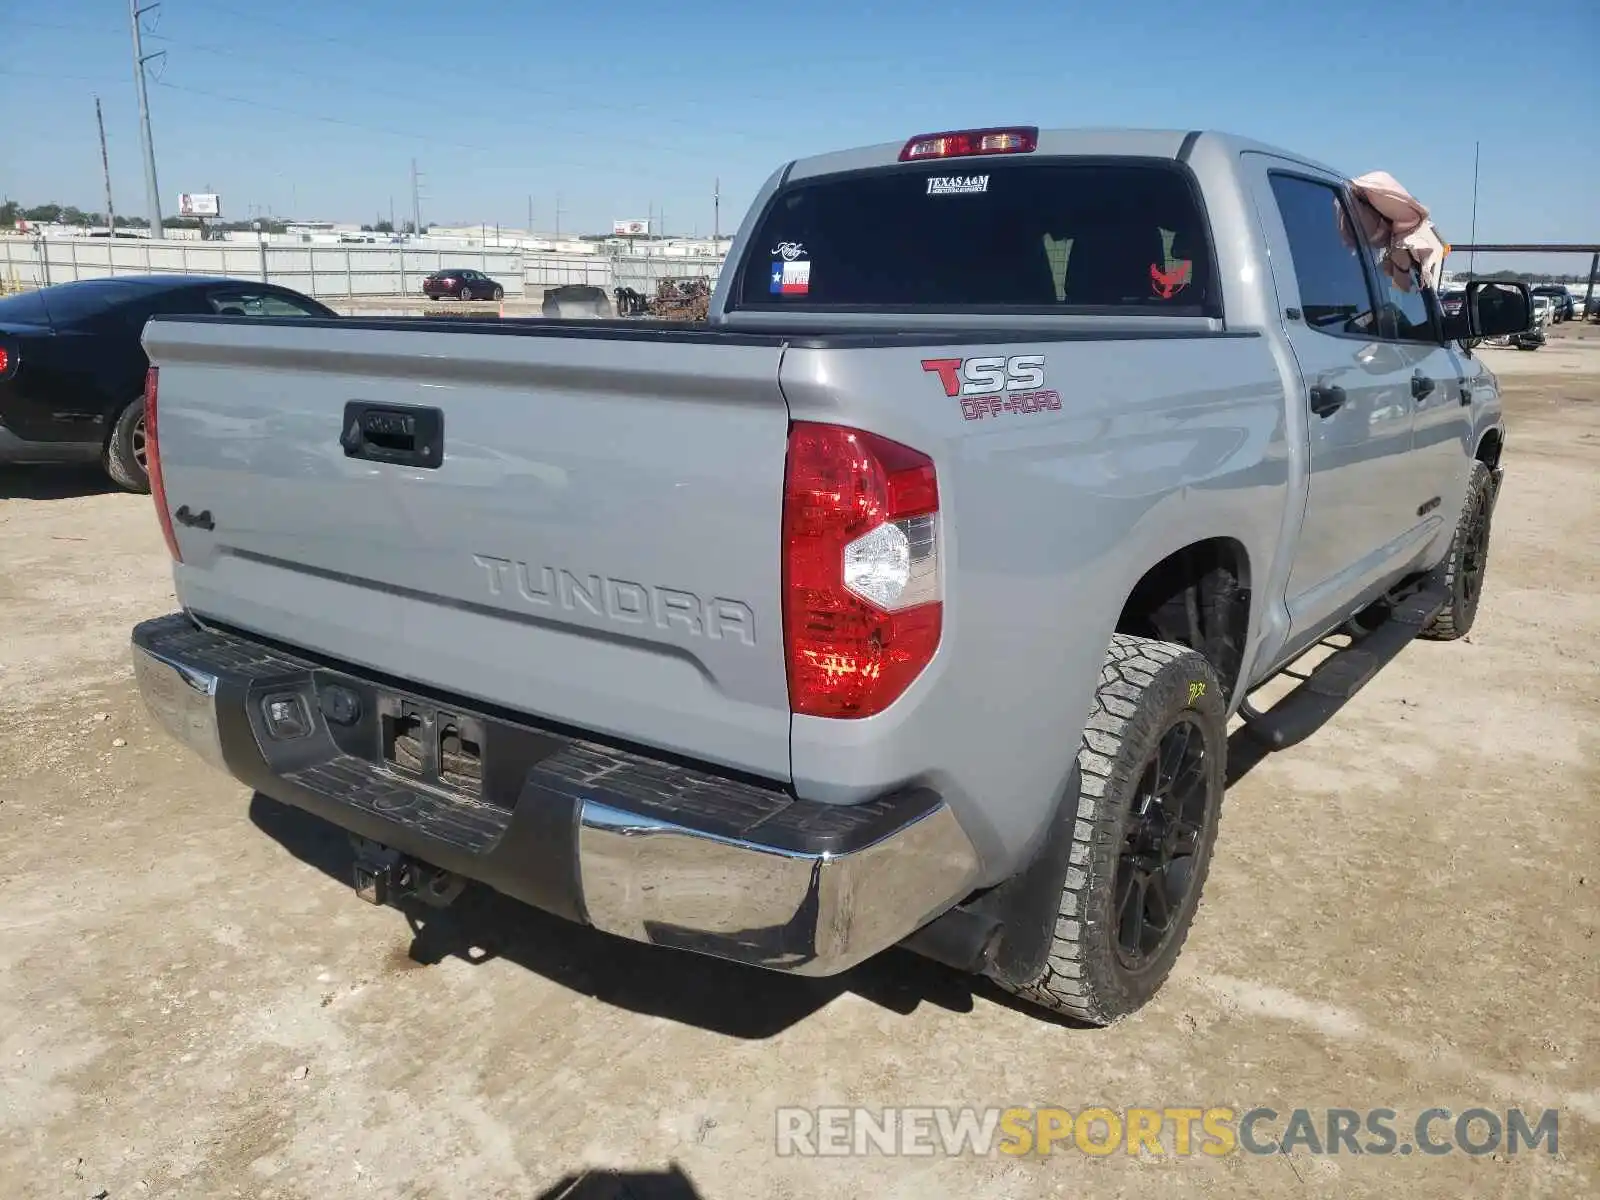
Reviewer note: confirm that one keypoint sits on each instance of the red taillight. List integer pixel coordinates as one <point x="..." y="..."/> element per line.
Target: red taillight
<point x="862" y="607"/>
<point x="5" y="360"/>
<point x="152" y="458"/>
<point x="964" y="143"/>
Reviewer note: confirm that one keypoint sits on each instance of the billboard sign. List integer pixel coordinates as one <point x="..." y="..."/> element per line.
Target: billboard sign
<point x="199" y="204"/>
<point x="630" y="228"/>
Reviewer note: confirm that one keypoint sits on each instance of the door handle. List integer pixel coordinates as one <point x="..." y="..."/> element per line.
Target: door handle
<point x="1326" y="399"/>
<point x="1465" y="395"/>
<point x="403" y="434"/>
<point x="1421" y="386"/>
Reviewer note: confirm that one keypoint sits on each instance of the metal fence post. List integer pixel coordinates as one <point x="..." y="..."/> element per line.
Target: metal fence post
<point x="183" y="258"/>
<point x="44" y="259"/>
<point x="349" y="278"/>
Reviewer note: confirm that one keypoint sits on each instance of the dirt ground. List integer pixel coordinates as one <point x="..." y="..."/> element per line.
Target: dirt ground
<point x="1402" y="913"/>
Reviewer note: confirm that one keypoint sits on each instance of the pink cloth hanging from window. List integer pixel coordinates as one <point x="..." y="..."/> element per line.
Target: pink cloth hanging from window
<point x="1396" y="222"/>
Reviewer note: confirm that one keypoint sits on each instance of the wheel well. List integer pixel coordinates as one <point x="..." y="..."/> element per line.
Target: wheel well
<point x="114" y="418"/>
<point x="1489" y="449"/>
<point x="1199" y="597"/>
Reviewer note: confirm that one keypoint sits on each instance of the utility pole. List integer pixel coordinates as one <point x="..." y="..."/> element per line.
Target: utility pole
<point x="416" y="202"/>
<point x="716" y="211"/>
<point x="530" y="216"/>
<point x="392" y="229"/>
<point x="105" y="167"/>
<point x="558" y="216"/>
<point x="152" y="192"/>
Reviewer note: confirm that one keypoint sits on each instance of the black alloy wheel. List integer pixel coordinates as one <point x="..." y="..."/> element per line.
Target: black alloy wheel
<point x="1156" y="868"/>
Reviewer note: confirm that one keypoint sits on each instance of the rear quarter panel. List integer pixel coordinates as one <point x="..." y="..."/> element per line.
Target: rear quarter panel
<point x="1048" y="519"/>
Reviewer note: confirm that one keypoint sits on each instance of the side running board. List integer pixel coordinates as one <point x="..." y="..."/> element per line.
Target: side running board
<point x="1344" y="673"/>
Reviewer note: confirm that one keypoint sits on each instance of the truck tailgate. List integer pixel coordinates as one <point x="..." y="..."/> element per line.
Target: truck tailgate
<point x="599" y="546"/>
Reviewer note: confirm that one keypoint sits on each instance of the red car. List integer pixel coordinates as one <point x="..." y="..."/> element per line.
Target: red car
<point x="462" y="284"/>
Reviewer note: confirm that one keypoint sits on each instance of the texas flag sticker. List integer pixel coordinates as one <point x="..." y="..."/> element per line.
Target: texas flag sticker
<point x="790" y="278"/>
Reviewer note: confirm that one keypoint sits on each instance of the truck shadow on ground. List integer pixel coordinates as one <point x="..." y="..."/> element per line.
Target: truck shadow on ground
<point x="1245" y="754"/>
<point x="723" y="997"/>
<point x="53" y="482"/>
<point x="671" y="1184"/>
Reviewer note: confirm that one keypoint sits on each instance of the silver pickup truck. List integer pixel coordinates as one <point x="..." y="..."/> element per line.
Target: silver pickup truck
<point x="905" y="602"/>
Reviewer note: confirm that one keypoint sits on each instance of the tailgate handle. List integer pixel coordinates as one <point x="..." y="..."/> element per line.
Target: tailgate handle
<point x="407" y="435"/>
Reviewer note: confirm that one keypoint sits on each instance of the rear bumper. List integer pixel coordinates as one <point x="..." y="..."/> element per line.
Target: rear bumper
<point x="647" y="849"/>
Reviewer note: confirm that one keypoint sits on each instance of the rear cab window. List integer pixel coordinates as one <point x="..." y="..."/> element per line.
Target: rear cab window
<point x="1123" y="236"/>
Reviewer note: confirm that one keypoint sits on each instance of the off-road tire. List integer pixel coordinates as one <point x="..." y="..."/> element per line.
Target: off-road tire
<point x="1463" y="585"/>
<point x="121" y="461"/>
<point x="1146" y="687"/>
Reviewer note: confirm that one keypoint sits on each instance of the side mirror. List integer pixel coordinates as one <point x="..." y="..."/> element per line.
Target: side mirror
<point x="1497" y="309"/>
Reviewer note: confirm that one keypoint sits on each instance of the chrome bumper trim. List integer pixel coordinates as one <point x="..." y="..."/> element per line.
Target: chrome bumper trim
<point x="808" y="914"/>
<point x="183" y="698"/>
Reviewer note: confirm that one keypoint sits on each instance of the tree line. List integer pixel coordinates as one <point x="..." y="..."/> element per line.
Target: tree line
<point x="11" y="212"/>
<point x="1529" y="277"/>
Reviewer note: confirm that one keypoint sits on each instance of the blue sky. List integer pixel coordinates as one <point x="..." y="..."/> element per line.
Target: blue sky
<point x="622" y="107"/>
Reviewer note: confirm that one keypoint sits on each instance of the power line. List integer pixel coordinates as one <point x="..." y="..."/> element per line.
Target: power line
<point x="321" y="117"/>
<point x="408" y="134"/>
<point x="32" y="24"/>
<point x="505" y="89"/>
<point x="100" y="79"/>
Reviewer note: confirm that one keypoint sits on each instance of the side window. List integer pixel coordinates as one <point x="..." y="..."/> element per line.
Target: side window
<point x="275" y="305"/>
<point x="258" y="304"/>
<point x="1405" y="314"/>
<point x="1334" y="294"/>
<point x="234" y="304"/>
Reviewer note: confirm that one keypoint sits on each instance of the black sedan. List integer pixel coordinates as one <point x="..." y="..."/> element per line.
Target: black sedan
<point x="72" y="369"/>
